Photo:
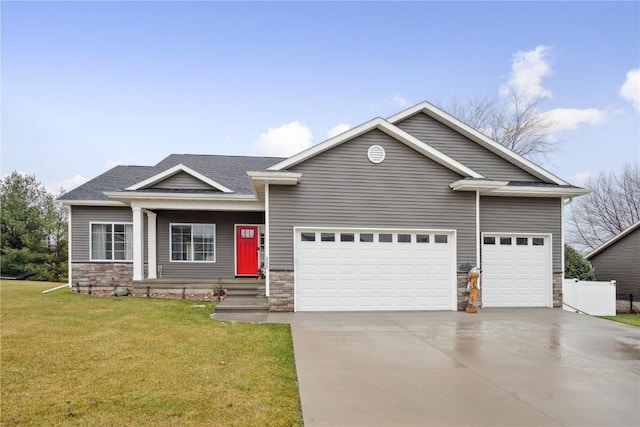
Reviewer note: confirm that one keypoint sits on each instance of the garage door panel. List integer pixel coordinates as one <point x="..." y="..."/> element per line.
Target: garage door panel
<point x="374" y="275"/>
<point x="516" y="275"/>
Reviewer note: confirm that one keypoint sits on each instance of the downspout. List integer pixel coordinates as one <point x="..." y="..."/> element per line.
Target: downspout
<point x="478" y="230"/>
<point x="563" y="204"/>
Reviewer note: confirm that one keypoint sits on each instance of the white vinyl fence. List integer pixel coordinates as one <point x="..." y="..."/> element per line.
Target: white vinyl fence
<point x="593" y="298"/>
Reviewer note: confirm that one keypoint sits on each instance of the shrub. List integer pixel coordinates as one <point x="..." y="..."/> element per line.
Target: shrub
<point x="575" y="266"/>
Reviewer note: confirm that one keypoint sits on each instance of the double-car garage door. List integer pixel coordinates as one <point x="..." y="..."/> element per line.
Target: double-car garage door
<point x="366" y="269"/>
<point x="372" y="269"/>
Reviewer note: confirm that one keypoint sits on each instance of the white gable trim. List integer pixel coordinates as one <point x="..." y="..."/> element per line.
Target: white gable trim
<point x="613" y="240"/>
<point x="174" y="170"/>
<point x="466" y="130"/>
<point x="389" y="129"/>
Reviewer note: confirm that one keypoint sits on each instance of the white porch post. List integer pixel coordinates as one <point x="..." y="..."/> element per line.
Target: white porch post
<point x="151" y="243"/>
<point x="138" y="243"/>
<point x="266" y="239"/>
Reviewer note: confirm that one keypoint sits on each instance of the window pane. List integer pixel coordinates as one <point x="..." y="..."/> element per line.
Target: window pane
<point x="347" y="237"/>
<point x="422" y="238"/>
<point x="203" y="240"/>
<point x="522" y="241"/>
<point x="489" y="240"/>
<point x="404" y="238"/>
<point x="308" y="237"/>
<point x="181" y="243"/>
<point x="385" y="238"/>
<point x="505" y="240"/>
<point x="366" y="237"/>
<point x="538" y="241"/>
<point x="119" y="242"/>
<point x="440" y="238"/>
<point x="101" y="241"/>
<point x="328" y="237"/>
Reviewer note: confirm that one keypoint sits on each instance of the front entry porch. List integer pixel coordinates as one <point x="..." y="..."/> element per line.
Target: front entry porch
<point x="241" y="294"/>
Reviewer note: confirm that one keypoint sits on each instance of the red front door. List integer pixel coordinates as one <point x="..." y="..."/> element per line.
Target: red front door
<point x="247" y="238"/>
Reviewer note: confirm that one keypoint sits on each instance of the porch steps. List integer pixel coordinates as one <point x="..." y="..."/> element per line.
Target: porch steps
<point x="243" y="304"/>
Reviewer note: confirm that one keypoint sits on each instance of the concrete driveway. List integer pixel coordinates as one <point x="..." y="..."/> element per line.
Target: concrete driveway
<point x="501" y="367"/>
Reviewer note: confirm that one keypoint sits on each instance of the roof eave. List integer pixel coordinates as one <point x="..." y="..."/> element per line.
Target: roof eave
<point x="132" y="195"/>
<point x="501" y="188"/>
<point x="90" y="203"/>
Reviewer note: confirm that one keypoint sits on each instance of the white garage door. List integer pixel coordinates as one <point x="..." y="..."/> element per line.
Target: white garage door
<point x="360" y="269"/>
<point x="516" y="270"/>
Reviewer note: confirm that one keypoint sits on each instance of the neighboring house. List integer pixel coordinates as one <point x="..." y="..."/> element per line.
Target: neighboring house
<point x="619" y="259"/>
<point x="390" y="215"/>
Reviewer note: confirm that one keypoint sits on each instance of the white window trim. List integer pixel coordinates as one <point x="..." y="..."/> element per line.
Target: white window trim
<point x="111" y="261"/>
<point x="191" y="224"/>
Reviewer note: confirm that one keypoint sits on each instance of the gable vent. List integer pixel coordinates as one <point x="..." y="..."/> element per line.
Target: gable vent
<point x="376" y="154"/>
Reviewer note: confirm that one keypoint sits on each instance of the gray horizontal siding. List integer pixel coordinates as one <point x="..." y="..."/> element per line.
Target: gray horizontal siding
<point x="225" y="257"/>
<point x="82" y="216"/>
<point x="524" y="215"/>
<point x="342" y="188"/>
<point x="460" y="148"/>
<point x="621" y="262"/>
<point x="182" y="181"/>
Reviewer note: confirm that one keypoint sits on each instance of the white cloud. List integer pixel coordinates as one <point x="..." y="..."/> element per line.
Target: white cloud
<point x="527" y="71"/>
<point x="66" y="184"/>
<point x="338" y="129"/>
<point x="630" y="89"/>
<point x="285" y="140"/>
<point x="399" y="101"/>
<point x="581" y="178"/>
<point x="570" y="118"/>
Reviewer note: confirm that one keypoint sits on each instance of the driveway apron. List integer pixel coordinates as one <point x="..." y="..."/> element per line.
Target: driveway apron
<point x="501" y="367"/>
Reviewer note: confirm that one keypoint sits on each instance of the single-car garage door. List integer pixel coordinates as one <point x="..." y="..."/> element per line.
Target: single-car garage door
<point x="516" y="270"/>
<point x="364" y="269"/>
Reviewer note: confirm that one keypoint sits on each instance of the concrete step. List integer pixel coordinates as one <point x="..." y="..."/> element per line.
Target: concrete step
<point x="243" y="304"/>
<point x="245" y="292"/>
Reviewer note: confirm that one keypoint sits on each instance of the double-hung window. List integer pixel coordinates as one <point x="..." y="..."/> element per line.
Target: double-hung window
<point x="111" y="242"/>
<point x="193" y="242"/>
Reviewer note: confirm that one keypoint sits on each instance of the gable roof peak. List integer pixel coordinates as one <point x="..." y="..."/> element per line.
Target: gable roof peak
<point x="391" y="130"/>
<point x="477" y="137"/>
<point x="161" y="176"/>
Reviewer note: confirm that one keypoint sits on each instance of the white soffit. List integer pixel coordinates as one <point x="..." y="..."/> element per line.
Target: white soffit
<point x="174" y="170"/>
<point x="466" y="130"/>
<point x="501" y="188"/>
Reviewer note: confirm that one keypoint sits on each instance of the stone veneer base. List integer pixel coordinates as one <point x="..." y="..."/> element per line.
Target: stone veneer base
<point x="281" y="291"/>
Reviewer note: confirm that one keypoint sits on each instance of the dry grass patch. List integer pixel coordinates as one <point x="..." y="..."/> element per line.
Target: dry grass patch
<point x="78" y="360"/>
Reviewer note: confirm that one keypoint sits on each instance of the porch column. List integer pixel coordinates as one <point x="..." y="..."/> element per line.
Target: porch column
<point x="138" y="243"/>
<point x="151" y="242"/>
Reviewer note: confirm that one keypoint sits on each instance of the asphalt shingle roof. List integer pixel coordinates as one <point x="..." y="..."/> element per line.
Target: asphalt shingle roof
<point x="230" y="171"/>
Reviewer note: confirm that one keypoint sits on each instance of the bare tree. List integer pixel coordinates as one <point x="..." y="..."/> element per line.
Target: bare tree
<point x="611" y="207"/>
<point x="514" y="121"/>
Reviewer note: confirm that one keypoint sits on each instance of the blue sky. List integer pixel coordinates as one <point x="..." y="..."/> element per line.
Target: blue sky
<point x="88" y="85"/>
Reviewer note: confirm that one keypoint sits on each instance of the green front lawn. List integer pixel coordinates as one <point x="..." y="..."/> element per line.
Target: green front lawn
<point x="80" y="360"/>
<point x="630" y="319"/>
